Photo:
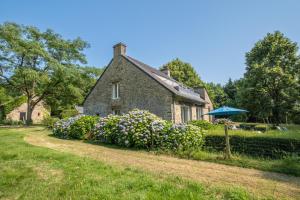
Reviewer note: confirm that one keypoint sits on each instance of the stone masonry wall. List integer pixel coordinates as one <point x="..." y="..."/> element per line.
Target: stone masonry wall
<point x="38" y="113"/>
<point x="177" y="108"/>
<point x="137" y="90"/>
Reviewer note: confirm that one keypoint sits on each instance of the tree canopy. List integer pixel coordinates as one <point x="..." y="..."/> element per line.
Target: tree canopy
<point x="39" y="64"/>
<point x="184" y="72"/>
<point x="271" y="82"/>
<point x="270" y="88"/>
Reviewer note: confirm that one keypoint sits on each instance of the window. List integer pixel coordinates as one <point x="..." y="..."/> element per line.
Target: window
<point x="210" y="117"/>
<point x="185" y="114"/>
<point x="22" y="116"/>
<point x="115" y="91"/>
<point x="199" y="113"/>
<point x="116" y="111"/>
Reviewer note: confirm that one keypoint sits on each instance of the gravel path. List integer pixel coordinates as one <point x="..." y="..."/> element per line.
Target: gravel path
<point x="258" y="182"/>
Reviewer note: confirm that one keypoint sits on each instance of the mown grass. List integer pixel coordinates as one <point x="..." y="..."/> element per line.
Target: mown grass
<point x="292" y="132"/>
<point x="29" y="172"/>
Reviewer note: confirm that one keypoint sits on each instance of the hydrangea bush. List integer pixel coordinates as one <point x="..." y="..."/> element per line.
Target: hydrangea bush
<point x="138" y="128"/>
<point x="82" y="127"/>
<point x="142" y="129"/>
<point x="182" y="137"/>
<point x="62" y="127"/>
<point x="77" y="127"/>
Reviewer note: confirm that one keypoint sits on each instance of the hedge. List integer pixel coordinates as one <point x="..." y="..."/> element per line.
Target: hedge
<point x="255" y="146"/>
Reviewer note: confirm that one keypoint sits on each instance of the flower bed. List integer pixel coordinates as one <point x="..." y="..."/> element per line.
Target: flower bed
<point x="138" y="128"/>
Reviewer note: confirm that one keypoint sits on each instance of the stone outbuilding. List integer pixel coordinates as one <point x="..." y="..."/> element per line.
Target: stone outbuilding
<point x="127" y="83"/>
<point x="20" y="113"/>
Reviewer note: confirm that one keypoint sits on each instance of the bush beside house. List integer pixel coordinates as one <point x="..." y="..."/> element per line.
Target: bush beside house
<point x="142" y="129"/>
<point x="138" y="129"/>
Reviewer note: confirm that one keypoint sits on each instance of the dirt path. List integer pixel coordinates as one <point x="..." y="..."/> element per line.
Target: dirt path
<point x="259" y="182"/>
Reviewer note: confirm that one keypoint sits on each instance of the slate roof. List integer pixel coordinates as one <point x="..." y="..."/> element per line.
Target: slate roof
<point x="169" y="83"/>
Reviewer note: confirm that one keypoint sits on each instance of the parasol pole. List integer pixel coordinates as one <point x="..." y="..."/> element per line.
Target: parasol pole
<point x="227" y="143"/>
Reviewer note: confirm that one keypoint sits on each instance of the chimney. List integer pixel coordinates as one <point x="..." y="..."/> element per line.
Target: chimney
<point x="166" y="71"/>
<point x="119" y="49"/>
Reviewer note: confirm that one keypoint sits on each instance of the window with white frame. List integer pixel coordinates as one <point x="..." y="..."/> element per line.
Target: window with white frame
<point x="115" y="91"/>
<point x="185" y="114"/>
<point x="199" y="113"/>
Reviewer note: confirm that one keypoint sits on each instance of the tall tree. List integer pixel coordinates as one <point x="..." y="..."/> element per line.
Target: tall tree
<point x="216" y="94"/>
<point x="4" y="97"/>
<point x="270" y="88"/>
<point x="84" y="80"/>
<point x="231" y="89"/>
<point x="38" y="64"/>
<point x="184" y="72"/>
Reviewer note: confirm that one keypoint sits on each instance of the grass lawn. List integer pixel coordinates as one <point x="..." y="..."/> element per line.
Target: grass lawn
<point x="30" y="172"/>
<point x="288" y="165"/>
<point x="293" y="132"/>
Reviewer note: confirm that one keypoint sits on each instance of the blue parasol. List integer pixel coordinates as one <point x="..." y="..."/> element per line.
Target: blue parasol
<point x="226" y="111"/>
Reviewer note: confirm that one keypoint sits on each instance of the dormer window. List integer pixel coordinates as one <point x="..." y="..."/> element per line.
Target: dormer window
<point x="115" y="91"/>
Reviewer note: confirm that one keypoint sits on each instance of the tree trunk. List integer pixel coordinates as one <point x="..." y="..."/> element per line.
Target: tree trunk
<point x="29" y="112"/>
<point x="227" y="147"/>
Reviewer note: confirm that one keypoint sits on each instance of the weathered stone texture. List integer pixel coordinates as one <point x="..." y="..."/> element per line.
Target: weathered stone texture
<point x="137" y="90"/>
<point x="177" y="114"/>
<point x="38" y="113"/>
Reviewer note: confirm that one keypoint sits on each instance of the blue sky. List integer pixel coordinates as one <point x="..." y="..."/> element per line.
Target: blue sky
<point x="211" y="35"/>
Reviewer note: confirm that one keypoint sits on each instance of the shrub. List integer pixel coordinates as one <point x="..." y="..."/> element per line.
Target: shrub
<point x="142" y="129"/>
<point x="255" y="146"/>
<point x="106" y="130"/>
<point x="49" y="121"/>
<point x="181" y="137"/>
<point x="11" y="122"/>
<point x="202" y="124"/>
<point x="82" y="127"/>
<point x="138" y="128"/>
<point x="62" y="127"/>
<point x="67" y="113"/>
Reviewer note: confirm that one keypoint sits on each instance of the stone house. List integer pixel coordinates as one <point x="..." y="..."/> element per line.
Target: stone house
<point x="127" y="83"/>
<point x="38" y="114"/>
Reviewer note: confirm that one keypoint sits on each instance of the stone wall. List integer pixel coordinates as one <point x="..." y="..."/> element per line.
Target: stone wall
<point x="177" y="114"/>
<point x="137" y="90"/>
<point x="38" y="114"/>
<point x="207" y="108"/>
<point x="177" y="109"/>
